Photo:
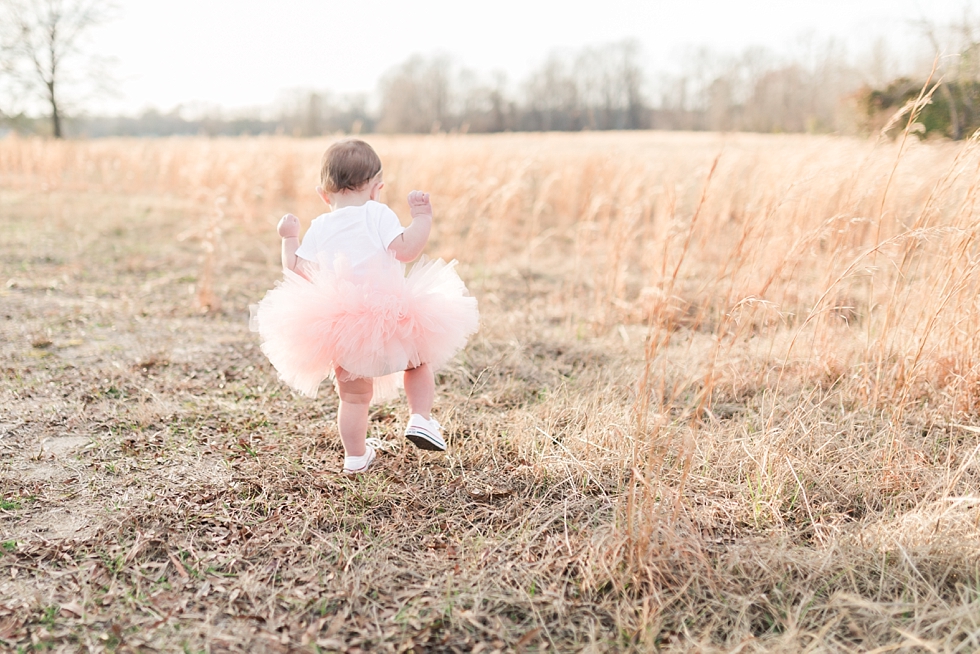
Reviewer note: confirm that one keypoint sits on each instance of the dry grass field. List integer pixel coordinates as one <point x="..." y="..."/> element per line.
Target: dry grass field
<point x="723" y="398"/>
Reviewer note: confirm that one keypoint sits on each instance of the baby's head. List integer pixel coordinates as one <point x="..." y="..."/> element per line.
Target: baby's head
<point x="350" y="165"/>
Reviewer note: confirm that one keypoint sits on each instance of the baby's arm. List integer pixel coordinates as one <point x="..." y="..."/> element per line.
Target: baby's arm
<point x="288" y="229"/>
<point x="409" y="245"/>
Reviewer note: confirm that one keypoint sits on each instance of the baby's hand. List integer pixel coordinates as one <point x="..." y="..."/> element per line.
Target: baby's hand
<point x="418" y="204"/>
<point x="288" y="226"/>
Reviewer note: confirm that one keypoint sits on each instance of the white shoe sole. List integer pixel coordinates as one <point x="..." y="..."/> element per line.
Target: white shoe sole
<point x="424" y="440"/>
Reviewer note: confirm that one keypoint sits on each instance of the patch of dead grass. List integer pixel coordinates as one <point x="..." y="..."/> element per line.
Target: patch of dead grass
<point x="713" y="434"/>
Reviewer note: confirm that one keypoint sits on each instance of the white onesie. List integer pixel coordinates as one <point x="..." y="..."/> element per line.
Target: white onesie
<point x="359" y="233"/>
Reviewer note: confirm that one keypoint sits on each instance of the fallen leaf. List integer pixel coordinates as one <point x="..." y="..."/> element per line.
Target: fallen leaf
<point x="331" y="644"/>
<point x="335" y="624"/>
<point x="312" y="631"/>
<point x="180" y="568"/>
<point x="527" y="638"/>
<point x="10" y="626"/>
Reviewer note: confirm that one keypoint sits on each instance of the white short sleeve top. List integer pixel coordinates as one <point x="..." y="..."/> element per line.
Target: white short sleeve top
<point x="359" y="233"/>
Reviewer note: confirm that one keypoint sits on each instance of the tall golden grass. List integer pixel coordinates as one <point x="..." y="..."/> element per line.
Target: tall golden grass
<point x="808" y="258"/>
<point x="793" y="425"/>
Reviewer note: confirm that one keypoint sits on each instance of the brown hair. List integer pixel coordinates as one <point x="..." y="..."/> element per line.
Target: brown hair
<point x="348" y="165"/>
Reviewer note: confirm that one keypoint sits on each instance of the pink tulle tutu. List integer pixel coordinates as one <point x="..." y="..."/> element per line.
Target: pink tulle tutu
<point x="372" y="321"/>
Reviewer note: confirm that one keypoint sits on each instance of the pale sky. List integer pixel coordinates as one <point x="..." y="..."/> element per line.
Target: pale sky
<point x="245" y="53"/>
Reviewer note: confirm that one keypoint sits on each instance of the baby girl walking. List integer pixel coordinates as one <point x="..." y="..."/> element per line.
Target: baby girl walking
<point x="346" y="309"/>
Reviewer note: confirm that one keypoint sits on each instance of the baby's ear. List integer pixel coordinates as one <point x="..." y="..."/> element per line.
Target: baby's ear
<point x="323" y="195"/>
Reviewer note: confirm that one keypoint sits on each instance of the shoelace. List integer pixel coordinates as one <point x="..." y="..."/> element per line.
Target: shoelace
<point x="438" y="429"/>
<point x="384" y="446"/>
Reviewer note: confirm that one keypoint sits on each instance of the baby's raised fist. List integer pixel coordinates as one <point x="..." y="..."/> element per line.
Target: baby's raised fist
<point x="288" y="226"/>
<point x="418" y="203"/>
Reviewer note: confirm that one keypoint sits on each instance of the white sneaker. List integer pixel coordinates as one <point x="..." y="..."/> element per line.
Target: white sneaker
<point x="355" y="465"/>
<point x="426" y="434"/>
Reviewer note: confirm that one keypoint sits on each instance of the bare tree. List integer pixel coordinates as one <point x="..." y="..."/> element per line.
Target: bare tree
<point x="6" y="68"/>
<point x="552" y="99"/>
<point x="416" y="96"/>
<point x="44" y="39"/>
<point x="594" y="88"/>
<point x="8" y="92"/>
<point x="609" y="79"/>
<point x="482" y="102"/>
<point x="631" y="77"/>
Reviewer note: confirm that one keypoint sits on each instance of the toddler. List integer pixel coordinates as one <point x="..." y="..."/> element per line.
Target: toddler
<point x="346" y="309"/>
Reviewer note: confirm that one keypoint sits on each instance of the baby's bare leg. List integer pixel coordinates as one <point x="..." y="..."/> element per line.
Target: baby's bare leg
<point x="420" y="388"/>
<point x="352" y="417"/>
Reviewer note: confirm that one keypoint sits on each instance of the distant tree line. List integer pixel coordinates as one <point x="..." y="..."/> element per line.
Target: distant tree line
<point x="298" y="113"/>
<point x="594" y="88"/>
<point x="818" y="88"/>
